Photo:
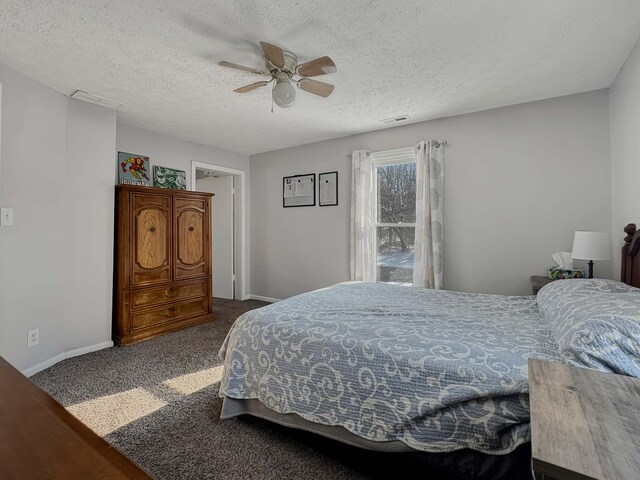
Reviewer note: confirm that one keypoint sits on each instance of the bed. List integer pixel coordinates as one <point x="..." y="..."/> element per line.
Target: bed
<point x="396" y="369"/>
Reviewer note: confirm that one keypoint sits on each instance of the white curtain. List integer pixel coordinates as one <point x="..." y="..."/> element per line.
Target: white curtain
<point x="428" y="257"/>
<point x="362" y="245"/>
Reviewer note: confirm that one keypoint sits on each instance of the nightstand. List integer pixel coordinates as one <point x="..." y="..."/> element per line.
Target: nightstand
<point x="538" y="281"/>
<point x="584" y="423"/>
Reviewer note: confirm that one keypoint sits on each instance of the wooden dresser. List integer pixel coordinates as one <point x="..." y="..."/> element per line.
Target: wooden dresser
<point x="39" y="439"/>
<point x="162" y="262"/>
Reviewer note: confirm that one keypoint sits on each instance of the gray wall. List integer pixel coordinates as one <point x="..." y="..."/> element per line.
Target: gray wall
<point x="58" y="173"/>
<point x="172" y="152"/>
<point x="89" y="203"/>
<point x="55" y="263"/>
<point x="624" y="104"/>
<point x="175" y="153"/>
<point x="519" y="181"/>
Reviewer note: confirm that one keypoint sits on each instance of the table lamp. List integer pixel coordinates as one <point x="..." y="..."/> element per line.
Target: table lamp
<point x="590" y="246"/>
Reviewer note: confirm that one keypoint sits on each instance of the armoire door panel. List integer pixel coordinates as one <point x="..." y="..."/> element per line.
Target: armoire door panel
<point x="151" y="237"/>
<point x="191" y="250"/>
<point x="192" y="235"/>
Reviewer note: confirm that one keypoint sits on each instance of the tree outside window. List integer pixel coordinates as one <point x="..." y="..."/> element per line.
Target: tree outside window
<point x="395" y="221"/>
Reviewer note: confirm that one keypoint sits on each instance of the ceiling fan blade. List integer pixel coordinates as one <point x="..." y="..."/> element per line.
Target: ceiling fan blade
<point x="319" y="66"/>
<point x="274" y="54"/>
<point x="253" y="86"/>
<point x="241" y="67"/>
<point x="317" y="88"/>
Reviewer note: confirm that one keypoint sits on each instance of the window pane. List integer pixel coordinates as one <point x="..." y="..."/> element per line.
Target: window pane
<point x="395" y="254"/>
<point x="397" y="193"/>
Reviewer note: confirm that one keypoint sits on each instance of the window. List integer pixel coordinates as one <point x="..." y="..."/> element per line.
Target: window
<point x="394" y="180"/>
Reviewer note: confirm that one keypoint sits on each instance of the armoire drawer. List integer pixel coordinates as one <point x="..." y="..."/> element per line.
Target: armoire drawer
<point x="153" y="296"/>
<point x="168" y="313"/>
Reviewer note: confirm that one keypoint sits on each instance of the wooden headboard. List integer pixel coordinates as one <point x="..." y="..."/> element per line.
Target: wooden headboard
<point x="630" y="261"/>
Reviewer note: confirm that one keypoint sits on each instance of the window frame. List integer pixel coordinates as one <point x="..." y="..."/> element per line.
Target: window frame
<point x="393" y="157"/>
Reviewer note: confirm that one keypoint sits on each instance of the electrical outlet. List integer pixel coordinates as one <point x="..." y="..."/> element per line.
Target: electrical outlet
<point x="6" y="217"/>
<point x="33" y="337"/>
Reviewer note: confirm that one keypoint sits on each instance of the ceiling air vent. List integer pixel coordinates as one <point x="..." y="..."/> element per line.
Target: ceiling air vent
<point x="401" y="118"/>
<point x="96" y="99"/>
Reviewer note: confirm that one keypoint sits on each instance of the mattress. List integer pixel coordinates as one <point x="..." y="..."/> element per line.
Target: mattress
<point x="398" y="367"/>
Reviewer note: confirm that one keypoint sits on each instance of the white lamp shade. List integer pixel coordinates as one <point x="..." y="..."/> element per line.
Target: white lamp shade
<point x="591" y="246"/>
<point x="284" y="94"/>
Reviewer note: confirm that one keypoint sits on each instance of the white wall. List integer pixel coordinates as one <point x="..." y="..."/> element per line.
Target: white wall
<point x="89" y="204"/>
<point x="624" y="105"/>
<point x="519" y="181"/>
<point x="175" y="153"/>
<point x="55" y="263"/>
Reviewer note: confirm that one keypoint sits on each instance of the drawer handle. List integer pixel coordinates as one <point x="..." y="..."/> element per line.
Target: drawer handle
<point x="152" y="229"/>
<point x="172" y="311"/>
<point x="191" y="229"/>
<point x="170" y="292"/>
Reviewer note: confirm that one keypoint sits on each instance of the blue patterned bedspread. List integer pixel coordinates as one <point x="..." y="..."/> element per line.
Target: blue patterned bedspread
<point x="436" y="370"/>
<point x="595" y="323"/>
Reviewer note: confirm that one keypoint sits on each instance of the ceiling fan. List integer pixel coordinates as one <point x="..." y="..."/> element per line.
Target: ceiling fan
<point x="283" y="68"/>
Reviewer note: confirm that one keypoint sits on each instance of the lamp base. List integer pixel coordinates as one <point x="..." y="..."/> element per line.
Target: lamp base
<point x="590" y="269"/>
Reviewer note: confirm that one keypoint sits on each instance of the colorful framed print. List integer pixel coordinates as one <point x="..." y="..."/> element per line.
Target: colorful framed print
<point x="164" y="177"/>
<point x="133" y="169"/>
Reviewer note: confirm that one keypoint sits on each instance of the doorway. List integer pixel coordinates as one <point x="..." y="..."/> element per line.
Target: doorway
<point x="227" y="223"/>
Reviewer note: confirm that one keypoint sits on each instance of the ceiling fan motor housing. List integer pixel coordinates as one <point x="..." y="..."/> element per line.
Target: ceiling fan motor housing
<point x="290" y="63"/>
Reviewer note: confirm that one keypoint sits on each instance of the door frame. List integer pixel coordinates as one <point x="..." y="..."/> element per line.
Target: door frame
<point x="240" y="293"/>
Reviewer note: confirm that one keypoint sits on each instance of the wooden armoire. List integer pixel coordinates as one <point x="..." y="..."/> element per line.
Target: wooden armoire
<point x="162" y="262"/>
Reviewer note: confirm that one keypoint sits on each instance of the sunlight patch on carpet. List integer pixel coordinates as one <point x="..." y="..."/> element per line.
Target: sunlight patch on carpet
<point x="193" y="382"/>
<point x="107" y="414"/>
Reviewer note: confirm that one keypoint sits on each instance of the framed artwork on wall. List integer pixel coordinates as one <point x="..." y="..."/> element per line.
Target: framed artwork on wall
<point x="133" y="169"/>
<point x="164" y="177"/>
<point x="328" y="189"/>
<point x="299" y="190"/>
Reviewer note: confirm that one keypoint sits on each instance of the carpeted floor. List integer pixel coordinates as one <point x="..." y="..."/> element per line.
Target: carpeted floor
<point x="158" y="402"/>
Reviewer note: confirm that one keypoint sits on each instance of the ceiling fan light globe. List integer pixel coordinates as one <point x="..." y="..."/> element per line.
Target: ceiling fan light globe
<point x="284" y="94"/>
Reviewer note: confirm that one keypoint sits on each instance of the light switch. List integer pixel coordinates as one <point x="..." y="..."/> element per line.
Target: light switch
<point x="6" y="217"/>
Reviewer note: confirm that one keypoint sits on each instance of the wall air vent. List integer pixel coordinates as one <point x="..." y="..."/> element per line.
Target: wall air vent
<point x="96" y="99"/>
<point x="401" y="118"/>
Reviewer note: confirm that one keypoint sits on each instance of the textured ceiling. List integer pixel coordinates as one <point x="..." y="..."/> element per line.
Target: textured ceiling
<point x="426" y="59"/>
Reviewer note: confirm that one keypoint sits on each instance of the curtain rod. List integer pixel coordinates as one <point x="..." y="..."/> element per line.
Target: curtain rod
<point x="436" y="144"/>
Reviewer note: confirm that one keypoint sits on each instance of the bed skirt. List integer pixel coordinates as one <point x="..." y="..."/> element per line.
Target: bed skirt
<point x="232" y="407"/>
<point x="465" y="463"/>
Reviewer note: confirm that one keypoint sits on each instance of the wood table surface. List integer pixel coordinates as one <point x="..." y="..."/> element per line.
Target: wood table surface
<point x="585" y="424"/>
<point x="39" y="439"/>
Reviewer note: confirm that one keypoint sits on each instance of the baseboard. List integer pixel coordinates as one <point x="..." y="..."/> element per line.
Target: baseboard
<point x="64" y="355"/>
<point x="264" y="299"/>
